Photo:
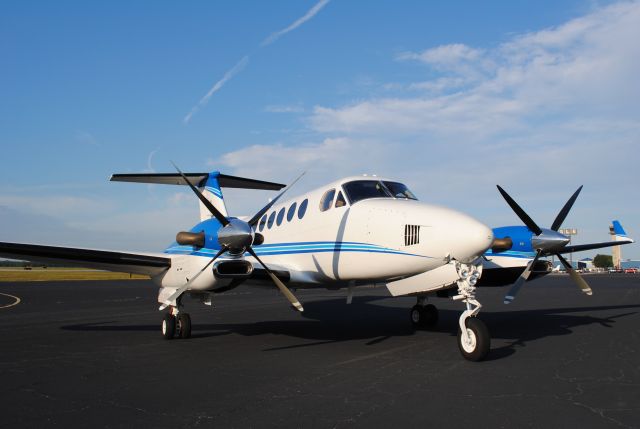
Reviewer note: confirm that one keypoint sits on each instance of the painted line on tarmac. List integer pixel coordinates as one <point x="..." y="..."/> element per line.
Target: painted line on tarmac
<point x="17" y="300"/>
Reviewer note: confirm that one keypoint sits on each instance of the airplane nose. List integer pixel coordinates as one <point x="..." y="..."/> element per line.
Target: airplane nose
<point x="471" y="238"/>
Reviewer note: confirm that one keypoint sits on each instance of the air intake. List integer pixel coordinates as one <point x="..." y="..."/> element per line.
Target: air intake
<point x="411" y="235"/>
<point x="233" y="269"/>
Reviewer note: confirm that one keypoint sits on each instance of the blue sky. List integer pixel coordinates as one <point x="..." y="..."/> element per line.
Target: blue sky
<point x="450" y="97"/>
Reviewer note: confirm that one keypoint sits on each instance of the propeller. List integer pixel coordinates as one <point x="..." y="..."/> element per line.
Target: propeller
<point x="236" y="237"/>
<point x="546" y="242"/>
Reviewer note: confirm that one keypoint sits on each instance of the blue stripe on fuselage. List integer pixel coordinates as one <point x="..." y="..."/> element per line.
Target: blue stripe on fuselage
<point x="296" y="248"/>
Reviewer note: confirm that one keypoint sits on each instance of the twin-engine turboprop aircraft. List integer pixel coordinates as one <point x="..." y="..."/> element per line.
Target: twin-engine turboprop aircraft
<point x="357" y="231"/>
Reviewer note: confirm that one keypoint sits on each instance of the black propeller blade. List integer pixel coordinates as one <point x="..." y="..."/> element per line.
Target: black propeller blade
<point x="286" y="292"/>
<point x="524" y="217"/>
<point x="584" y="286"/>
<point x="511" y="295"/>
<point x="214" y="211"/>
<point x="184" y="287"/>
<point x="254" y="220"/>
<point x="565" y="210"/>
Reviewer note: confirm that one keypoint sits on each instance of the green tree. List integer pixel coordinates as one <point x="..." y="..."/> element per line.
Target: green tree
<point x="603" y="261"/>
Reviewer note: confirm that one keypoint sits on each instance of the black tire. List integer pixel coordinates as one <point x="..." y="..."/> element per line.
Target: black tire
<point x="424" y="317"/>
<point x="481" y="340"/>
<point x="168" y="327"/>
<point x="429" y="316"/>
<point x="416" y="316"/>
<point x="184" y="325"/>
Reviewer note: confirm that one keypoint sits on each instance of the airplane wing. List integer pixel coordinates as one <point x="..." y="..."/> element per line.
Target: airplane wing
<point x="136" y="263"/>
<point x="591" y="246"/>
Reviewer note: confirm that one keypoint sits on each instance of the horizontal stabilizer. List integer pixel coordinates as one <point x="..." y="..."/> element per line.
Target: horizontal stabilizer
<point x="197" y="179"/>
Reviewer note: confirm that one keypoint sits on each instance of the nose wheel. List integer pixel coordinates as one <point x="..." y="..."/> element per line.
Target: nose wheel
<point x="475" y="345"/>
<point x="176" y="325"/>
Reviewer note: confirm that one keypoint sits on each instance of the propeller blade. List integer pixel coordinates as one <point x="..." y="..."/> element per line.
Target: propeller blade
<point x="184" y="287"/>
<point x="524" y="217"/>
<point x="511" y="295"/>
<point x="254" y="220"/>
<point x="214" y="211"/>
<point x="565" y="210"/>
<point x="286" y="292"/>
<point x="584" y="286"/>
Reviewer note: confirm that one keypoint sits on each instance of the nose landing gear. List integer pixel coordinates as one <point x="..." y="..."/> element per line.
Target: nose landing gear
<point x="474" y="340"/>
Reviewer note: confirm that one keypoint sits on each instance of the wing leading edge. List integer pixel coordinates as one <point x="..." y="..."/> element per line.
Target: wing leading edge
<point x="136" y="263"/>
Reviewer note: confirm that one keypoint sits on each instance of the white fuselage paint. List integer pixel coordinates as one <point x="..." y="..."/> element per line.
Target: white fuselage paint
<point x="361" y="243"/>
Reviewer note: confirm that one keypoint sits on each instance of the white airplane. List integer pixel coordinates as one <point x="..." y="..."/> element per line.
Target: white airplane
<point x="362" y="230"/>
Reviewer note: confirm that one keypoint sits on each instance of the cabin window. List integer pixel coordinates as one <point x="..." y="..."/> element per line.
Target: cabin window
<point x="365" y="189"/>
<point x="303" y="208"/>
<point x="327" y="200"/>
<point x="340" y="201"/>
<point x="398" y="190"/>
<point x="272" y="217"/>
<point x="280" y="217"/>
<point x="263" y="222"/>
<point x="291" y="212"/>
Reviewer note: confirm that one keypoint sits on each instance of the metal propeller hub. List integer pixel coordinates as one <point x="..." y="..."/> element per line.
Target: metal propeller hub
<point x="549" y="240"/>
<point x="237" y="236"/>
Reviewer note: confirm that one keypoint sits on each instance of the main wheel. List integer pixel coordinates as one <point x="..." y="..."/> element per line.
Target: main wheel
<point x="424" y="316"/>
<point x="477" y="347"/>
<point x="168" y="326"/>
<point x="429" y="316"/>
<point x="184" y="325"/>
<point x="416" y="316"/>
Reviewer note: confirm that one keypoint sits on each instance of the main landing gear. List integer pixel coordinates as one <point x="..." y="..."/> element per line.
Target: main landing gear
<point x="474" y="340"/>
<point x="176" y="324"/>
<point x="424" y="316"/>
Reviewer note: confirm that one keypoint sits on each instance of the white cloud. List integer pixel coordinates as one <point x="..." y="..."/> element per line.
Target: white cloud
<point x="584" y="68"/>
<point x="297" y="23"/>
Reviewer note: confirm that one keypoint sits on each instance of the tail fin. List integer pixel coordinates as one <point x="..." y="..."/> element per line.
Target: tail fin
<point x="213" y="193"/>
<point x="209" y="183"/>
<point x="619" y="232"/>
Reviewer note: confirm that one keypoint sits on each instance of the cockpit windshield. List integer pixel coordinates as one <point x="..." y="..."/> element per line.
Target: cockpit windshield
<point x="365" y="189"/>
<point x="398" y="190"/>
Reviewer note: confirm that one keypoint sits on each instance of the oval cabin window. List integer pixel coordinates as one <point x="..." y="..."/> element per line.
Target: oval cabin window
<point x="302" y="209"/>
<point x="327" y="200"/>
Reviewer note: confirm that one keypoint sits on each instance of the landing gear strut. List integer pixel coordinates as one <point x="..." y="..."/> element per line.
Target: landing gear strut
<point x="176" y="324"/>
<point x="474" y="340"/>
<point x="424" y="316"/>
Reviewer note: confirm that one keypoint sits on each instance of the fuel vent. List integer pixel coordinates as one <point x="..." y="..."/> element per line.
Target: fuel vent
<point x="411" y="235"/>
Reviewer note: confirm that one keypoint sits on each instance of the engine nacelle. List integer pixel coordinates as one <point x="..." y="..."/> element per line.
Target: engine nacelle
<point x="233" y="269"/>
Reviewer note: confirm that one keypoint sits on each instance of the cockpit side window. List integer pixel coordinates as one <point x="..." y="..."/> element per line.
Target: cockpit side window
<point x="399" y="190"/>
<point x="327" y="200"/>
<point x="340" y="201"/>
<point x="364" y="189"/>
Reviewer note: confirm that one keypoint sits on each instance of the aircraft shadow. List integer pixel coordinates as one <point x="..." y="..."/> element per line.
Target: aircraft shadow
<point x="331" y="321"/>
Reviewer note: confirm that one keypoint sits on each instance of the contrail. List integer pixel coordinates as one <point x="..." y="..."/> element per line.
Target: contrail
<point x="245" y="60"/>
<point x="219" y="84"/>
<point x="312" y="12"/>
